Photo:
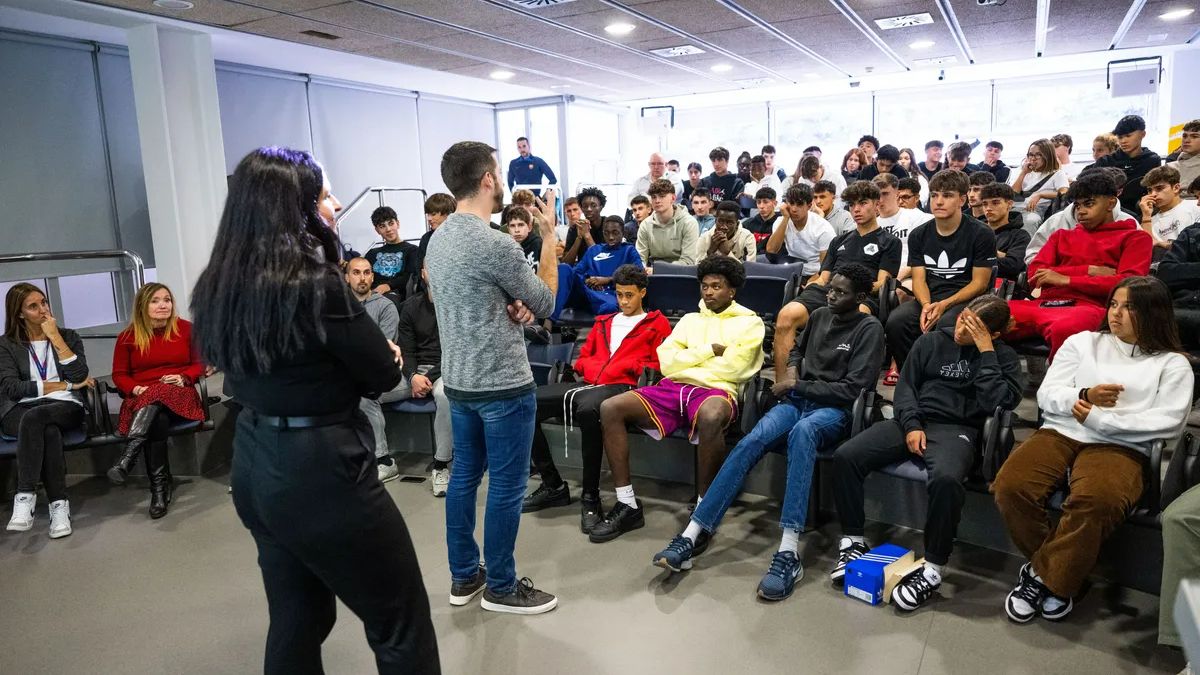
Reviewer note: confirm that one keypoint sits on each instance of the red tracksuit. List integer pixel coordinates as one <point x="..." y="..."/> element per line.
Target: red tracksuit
<point x="1121" y="245"/>
<point x="639" y="350"/>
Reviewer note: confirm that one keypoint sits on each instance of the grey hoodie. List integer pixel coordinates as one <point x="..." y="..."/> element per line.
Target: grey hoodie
<point x="1188" y="167"/>
<point x="384" y="313"/>
<point x="673" y="242"/>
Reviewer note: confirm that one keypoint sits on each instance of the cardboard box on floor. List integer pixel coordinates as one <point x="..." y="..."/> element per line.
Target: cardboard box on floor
<point x="872" y="577"/>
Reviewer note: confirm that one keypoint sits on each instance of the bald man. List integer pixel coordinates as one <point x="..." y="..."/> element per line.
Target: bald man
<point x="658" y="169"/>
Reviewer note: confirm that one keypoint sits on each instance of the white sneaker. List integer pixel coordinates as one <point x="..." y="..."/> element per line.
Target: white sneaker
<point x="441" y="480"/>
<point x="22" y="517"/>
<point x="388" y="472"/>
<point x="60" y="519"/>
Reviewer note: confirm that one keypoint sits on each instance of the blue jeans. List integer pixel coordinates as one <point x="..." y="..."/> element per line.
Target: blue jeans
<point x="492" y="436"/>
<point x="808" y="427"/>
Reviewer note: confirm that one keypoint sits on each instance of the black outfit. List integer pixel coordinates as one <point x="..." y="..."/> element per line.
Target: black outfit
<point x="870" y="171"/>
<point x="597" y="232"/>
<point x="532" y="249"/>
<point x="418" y="338"/>
<point x="947" y="391"/>
<point x="1001" y="171"/>
<point x="394" y="264"/>
<point x="724" y="187"/>
<point x="686" y="198"/>
<point x="878" y="249"/>
<point x="309" y="493"/>
<point x="39" y="424"/>
<point x="762" y="228"/>
<point x="584" y="413"/>
<point x="1135" y="169"/>
<point x="851" y="176"/>
<point x="1012" y="239"/>
<point x="925" y="171"/>
<point x="1180" y="270"/>
<point x="839" y="356"/>
<point x="949" y="264"/>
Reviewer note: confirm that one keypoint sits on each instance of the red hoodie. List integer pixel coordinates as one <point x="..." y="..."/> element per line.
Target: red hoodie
<point x="1121" y="245"/>
<point x="638" y="350"/>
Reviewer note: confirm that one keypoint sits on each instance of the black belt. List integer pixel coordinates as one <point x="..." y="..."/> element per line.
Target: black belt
<point x="304" y="422"/>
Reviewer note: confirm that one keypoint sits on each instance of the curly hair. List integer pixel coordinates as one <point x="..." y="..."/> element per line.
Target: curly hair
<point x="724" y="266"/>
<point x="630" y="275"/>
<point x="592" y="192"/>
<point x="861" y="279"/>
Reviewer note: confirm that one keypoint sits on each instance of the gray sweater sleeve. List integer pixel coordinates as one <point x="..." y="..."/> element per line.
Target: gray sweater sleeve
<point x="389" y="320"/>
<point x="512" y="274"/>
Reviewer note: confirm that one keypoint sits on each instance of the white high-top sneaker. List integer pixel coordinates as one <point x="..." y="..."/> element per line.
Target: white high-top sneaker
<point x="60" y="519"/>
<point x="22" y="517"/>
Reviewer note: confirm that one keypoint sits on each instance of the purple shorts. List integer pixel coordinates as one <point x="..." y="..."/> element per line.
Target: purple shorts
<point x="672" y="405"/>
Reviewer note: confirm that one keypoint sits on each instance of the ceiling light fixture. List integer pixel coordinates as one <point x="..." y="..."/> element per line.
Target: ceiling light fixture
<point x="721" y="68"/>
<point x="681" y="50"/>
<point x="905" y="21"/>
<point x="501" y="75"/>
<point x="173" y="4"/>
<point x="921" y="44"/>
<point x="1175" y="14"/>
<point x="619" y="28"/>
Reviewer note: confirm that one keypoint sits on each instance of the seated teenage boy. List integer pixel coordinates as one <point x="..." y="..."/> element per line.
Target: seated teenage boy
<point x="702" y="206"/>
<point x="617" y="349"/>
<point x="1066" y="218"/>
<point x="839" y="356"/>
<point x="639" y="208"/>
<point x="975" y="184"/>
<point x="826" y="204"/>
<point x="438" y="208"/>
<point x="705" y="361"/>
<point x="1164" y="211"/>
<point x="1180" y="271"/>
<point x="953" y="380"/>
<point x="997" y="200"/>
<point x="803" y="234"/>
<point x="585" y="230"/>
<point x="1078" y="268"/>
<point x="669" y="234"/>
<point x="763" y="223"/>
<point x="394" y="261"/>
<point x="589" y="285"/>
<point x="867" y="244"/>
<point x="728" y="237"/>
<point x="950" y="258"/>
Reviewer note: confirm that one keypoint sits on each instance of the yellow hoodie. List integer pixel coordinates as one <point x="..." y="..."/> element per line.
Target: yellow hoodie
<point x="687" y="355"/>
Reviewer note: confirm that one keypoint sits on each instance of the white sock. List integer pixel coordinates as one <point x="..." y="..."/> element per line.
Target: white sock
<point x="693" y="530"/>
<point x="933" y="573"/>
<point x="699" y="499"/>
<point x="625" y="496"/>
<point x="790" y="541"/>
<point x="846" y="541"/>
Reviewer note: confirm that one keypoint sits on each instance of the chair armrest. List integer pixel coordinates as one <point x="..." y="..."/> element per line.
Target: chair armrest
<point x="997" y="442"/>
<point x="750" y="407"/>
<point x="649" y="377"/>
<point x="860" y="412"/>
<point x="887" y="297"/>
<point x="1151" y="500"/>
<point x="202" y="385"/>
<point x="105" y="415"/>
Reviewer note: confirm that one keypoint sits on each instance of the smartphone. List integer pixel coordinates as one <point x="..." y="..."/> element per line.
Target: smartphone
<point x="1058" y="303"/>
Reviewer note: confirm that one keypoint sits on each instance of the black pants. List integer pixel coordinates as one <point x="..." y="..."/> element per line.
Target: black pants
<point x="325" y="527"/>
<point x="586" y="404"/>
<point x="949" y="454"/>
<point x="904" y="327"/>
<point x="1188" y="318"/>
<point x="39" y="426"/>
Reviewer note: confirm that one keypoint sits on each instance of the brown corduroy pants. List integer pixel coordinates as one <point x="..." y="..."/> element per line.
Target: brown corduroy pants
<point x="1105" y="482"/>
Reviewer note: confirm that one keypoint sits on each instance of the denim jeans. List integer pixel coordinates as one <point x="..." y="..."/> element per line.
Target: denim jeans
<point x="808" y="426"/>
<point x="492" y="436"/>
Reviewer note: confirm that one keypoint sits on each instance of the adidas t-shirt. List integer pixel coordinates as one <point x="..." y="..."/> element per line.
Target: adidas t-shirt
<point x="900" y="224"/>
<point x="949" y="261"/>
<point x="875" y="250"/>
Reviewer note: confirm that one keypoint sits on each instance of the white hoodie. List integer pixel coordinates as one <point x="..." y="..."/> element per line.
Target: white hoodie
<point x="1154" y="404"/>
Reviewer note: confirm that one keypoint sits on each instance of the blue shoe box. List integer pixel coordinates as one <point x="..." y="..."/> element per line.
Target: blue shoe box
<point x="866" y="578"/>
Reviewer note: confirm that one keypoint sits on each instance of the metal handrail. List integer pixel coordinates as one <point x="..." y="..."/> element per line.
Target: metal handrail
<point x="380" y="189"/>
<point x="139" y="268"/>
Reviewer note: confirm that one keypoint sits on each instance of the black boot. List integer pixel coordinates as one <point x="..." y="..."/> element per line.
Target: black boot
<point x="161" y="487"/>
<point x="139" y="431"/>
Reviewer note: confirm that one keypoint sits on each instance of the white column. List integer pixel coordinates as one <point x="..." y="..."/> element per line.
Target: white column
<point x="179" y="127"/>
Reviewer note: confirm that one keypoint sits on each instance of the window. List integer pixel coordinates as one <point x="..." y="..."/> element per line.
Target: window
<point x="594" y="139"/>
<point x="909" y="118"/>
<point x="833" y="124"/>
<point x="697" y="131"/>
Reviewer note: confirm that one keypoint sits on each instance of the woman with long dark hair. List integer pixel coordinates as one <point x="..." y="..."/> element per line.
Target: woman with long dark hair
<point x="1108" y="395"/>
<point x="298" y="352"/>
<point x="42" y="375"/>
<point x="155" y="365"/>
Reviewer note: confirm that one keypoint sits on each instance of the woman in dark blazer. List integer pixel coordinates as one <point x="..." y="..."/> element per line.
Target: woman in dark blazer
<point x="42" y="375"/>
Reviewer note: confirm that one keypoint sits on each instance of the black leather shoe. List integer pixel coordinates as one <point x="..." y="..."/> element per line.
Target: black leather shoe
<point x="139" y="432"/>
<point x="545" y="497"/>
<point x="620" y="520"/>
<point x="161" y="488"/>
<point x="591" y="513"/>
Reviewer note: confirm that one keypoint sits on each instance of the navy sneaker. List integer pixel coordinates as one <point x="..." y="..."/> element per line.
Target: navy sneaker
<point x="677" y="556"/>
<point x="914" y="590"/>
<point x="780" y="580"/>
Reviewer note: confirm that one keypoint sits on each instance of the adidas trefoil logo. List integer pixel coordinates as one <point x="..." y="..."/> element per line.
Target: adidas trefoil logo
<point x="942" y="266"/>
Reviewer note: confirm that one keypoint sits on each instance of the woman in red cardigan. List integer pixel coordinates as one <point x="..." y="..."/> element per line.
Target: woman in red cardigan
<point x="154" y="368"/>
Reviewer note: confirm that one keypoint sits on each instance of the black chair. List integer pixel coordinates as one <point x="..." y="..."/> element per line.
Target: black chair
<point x="673" y="295"/>
<point x="996" y="442"/>
<point x="548" y="361"/>
<point x="1183" y="471"/>
<point x="91" y="434"/>
<point x="578" y="318"/>
<point x="110" y="399"/>
<point x="675" y="269"/>
<point x="767" y="295"/>
<point x="781" y="271"/>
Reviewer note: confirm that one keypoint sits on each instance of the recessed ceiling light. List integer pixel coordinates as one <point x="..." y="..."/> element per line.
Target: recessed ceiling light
<point x="681" y="50"/>
<point x="619" y="28"/>
<point x="936" y="61"/>
<point x="904" y="21"/>
<point x="173" y="4"/>
<point x="1175" y="14"/>
<point x="721" y="68"/>
<point x="920" y="44"/>
<point x="501" y="75"/>
<point x="756" y="81"/>
<point x="559" y="86"/>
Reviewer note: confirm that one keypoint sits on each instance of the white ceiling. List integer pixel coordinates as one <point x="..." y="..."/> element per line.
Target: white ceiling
<point x="564" y="45"/>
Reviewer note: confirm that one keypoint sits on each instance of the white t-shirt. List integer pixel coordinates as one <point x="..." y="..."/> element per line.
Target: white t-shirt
<point x="809" y="243"/>
<point x="1056" y="182"/>
<point x="1168" y="224"/>
<point x="45" y="354"/>
<point x="900" y="224"/>
<point x="621" y="327"/>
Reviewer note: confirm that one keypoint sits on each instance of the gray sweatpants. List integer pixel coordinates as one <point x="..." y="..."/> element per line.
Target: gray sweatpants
<point x="1181" y="558"/>
<point x="443" y="439"/>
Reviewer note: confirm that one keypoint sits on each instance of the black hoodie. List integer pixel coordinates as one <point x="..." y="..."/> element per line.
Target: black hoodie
<point x="1135" y="168"/>
<point x="1012" y="240"/>
<point x="1180" y="267"/>
<point x="944" y="382"/>
<point x="841" y="356"/>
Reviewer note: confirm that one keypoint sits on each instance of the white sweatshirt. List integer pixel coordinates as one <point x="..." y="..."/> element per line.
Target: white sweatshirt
<point x="1154" y="404"/>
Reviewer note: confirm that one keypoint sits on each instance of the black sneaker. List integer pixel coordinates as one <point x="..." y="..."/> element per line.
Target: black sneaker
<point x="524" y="599"/>
<point x="914" y="590"/>
<point x="620" y="520"/>
<point x="1055" y="608"/>
<point x="702" y="541"/>
<point x="845" y="556"/>
<point x="1025" y="601"/>
<point x="545" y="497"/>
<point x="462" y="592"/>
<point x="591" y="512"/>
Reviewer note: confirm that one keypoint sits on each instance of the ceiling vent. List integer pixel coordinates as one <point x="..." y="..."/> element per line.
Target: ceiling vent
<point x="539" y="3"/>
<point x="937" y="61"/>
<point x="320" y="34"/>
<point x="906" y="21"/>
<point x="756" y="81"/>
<point x="681" y="50"/>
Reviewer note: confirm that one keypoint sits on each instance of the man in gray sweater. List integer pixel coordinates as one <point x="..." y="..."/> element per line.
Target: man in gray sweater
<point x="483" y="290"/>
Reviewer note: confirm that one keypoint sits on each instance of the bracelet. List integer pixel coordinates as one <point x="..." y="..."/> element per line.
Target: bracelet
<point x="1083" y="394"/>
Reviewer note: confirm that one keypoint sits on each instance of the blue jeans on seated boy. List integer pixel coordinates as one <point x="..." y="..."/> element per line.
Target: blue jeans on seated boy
<point x="809" y="427"/>
<point x="572" y="292"/>
<point x="493" y="436"/>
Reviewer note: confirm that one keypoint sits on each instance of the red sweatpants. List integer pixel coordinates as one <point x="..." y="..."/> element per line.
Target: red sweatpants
<point x="1052" y="324"/>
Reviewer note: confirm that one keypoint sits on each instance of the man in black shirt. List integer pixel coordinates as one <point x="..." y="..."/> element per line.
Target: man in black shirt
<point x="933" y="159"/>
<point x="584" y="233"/>
<point x="870" y="145"/>
<point x="887" y="160"/>
<point x="1011" y="237"/>
<point x="868" y="245"/>
<point x="1133" y="159"/>
<point x="958" y="157"/>
<point x="1180" y="270"/>
<point x="393" y="262"/>
<point x="975" y="183"/>
<point x="951" y="258"/>
<point x="721" y="183"/>
<point x="760" y="225"/>
<point x="992" y="162"/>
